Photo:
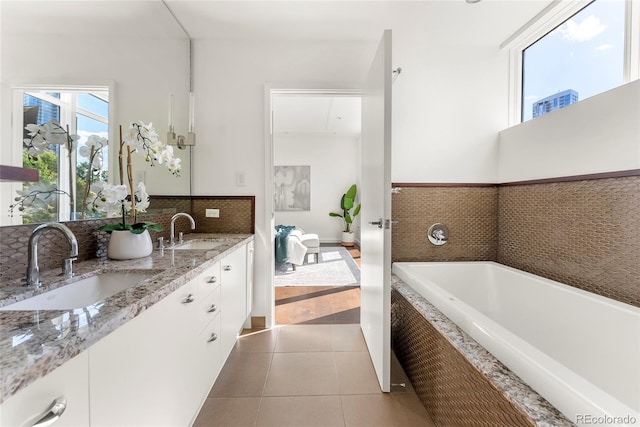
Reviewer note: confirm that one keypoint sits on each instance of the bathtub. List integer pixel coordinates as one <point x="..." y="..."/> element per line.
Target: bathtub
<point x="579" y="351"/>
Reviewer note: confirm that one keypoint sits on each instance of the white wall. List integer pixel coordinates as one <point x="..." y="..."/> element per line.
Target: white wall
<point x="334" y="163"/>
<point x="230" y="79"/>
<point x="598" y="134"/>
<point x="449" y="103"/>
<point x="445" y="118"/>
<point x="144" y="71"/>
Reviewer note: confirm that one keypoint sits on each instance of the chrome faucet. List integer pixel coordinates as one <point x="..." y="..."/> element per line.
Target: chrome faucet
<point x="33" y="271"/>
<point x="173" y="226"/>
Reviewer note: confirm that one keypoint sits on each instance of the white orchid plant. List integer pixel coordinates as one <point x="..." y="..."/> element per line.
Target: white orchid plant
<point x="41" y="138"/>
<point x="126" y="198"/>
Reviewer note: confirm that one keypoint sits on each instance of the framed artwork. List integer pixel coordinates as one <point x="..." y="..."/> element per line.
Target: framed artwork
<point x="292" y="188"/>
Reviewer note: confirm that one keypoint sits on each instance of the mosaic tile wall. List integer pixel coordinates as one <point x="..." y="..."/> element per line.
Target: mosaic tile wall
<point x="53" y="247"/>
<point x="453" y="391"/>
<point x="236" y="216"/>
<point x="237" y="213"/>
<point x="469" y="212"/>
<point x="582" y="233"/>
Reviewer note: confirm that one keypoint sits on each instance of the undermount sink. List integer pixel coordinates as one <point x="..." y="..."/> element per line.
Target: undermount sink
<point x="81" y="293"/>
<point x="199" y="245"/>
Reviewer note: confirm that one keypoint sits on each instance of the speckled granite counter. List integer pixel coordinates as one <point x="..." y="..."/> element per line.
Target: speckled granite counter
<point x="34" y="343"/>
<point x="518" y="393"/>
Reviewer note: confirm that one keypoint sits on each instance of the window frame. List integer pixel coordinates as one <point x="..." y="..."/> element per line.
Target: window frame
<point x="68" y="112"/>
<point x="555" y="14"/>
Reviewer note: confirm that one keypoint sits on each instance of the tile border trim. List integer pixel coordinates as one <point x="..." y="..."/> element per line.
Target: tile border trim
<point x="568" y="178"/>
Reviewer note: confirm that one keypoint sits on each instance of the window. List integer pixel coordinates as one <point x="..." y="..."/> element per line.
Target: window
<point x="584" y="55"/>
<point x="572" y="50"/>
<point x="64" y="173"/>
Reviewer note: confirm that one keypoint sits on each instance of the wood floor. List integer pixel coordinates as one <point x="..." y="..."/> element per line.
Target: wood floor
<point x="319" y="304"/>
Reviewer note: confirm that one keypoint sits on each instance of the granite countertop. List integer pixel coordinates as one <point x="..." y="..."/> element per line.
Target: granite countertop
<point x="34" y="343"/>
<point x="518" y="393"/>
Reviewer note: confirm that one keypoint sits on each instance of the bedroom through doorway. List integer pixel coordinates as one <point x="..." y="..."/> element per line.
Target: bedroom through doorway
<point x="316" y="151"/>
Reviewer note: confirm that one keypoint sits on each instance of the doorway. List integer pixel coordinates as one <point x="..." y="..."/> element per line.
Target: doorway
<point x="315" y="159"/>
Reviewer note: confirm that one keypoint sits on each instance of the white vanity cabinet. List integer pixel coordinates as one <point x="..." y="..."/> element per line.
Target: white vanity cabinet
<point x="234" y="297"/>
<point x="250" y="249"/>
<point x="158" y="368"/>
<point x="69" y="381"/>
<point x="140" y="374"/>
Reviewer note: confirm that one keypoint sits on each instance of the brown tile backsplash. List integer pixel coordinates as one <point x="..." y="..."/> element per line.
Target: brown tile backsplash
<point x="469" y="212"/>
<point x="583" y="233"/>
<point x="236" y="216"/>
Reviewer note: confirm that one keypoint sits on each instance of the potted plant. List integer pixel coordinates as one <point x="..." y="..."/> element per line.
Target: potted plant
<point x="132" y="240"/>
<point x="346" y="204"/>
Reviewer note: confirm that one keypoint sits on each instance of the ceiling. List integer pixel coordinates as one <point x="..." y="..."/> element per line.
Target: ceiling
<point x="319" y="115"/>
<point x="487" y="23"/>
<point x="490" y="21"/>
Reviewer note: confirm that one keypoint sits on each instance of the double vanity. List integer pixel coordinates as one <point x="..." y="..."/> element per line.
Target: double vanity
<point x="137" y="342"/>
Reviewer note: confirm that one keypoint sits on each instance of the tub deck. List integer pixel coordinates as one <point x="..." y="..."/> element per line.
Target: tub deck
<point x="508" y="313"/>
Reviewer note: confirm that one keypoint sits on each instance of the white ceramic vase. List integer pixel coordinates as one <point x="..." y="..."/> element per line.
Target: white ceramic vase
<point x="124" y="244"/>
<point x="348" y="238"/>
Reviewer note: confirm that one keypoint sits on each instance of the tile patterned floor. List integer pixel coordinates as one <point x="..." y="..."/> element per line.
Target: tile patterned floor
<point x="305" y="376"/>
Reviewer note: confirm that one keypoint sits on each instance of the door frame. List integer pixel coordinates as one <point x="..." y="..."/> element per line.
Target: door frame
<point x="269" y="213"/>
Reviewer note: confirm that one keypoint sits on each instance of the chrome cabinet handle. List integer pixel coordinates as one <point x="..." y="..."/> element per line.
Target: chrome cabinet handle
<point x="212" y="308"/>
<point x="227" y="268"/>
<point x="52" y="414"/>
<point x="213" y="337"/>
<point x="189" y="299"/>
<point x="212" y="279"/>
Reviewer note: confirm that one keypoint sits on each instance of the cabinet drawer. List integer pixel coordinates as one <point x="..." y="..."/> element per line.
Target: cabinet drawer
<point x="208" y="308"/>
<point x="70" y="382"/>
<point x="209" y="280"/>
<point x="209" y="356"/>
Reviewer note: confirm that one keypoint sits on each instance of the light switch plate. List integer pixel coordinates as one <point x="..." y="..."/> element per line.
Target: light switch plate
<point x="212" y="213"/>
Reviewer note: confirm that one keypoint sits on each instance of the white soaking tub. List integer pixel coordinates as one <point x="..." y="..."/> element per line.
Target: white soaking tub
<point x="578" y="350"/>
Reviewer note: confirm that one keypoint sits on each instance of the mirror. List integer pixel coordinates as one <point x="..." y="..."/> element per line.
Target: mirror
<point x="92" y="67"/>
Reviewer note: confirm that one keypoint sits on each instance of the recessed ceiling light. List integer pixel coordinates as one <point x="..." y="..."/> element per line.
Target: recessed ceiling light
<point x="473" y="1"/>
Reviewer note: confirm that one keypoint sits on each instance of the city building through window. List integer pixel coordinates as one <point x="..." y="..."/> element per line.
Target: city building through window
<point x="581" y="57"/>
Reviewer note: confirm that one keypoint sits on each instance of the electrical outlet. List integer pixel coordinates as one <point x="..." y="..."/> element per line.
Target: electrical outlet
<point x="212" y="213"/>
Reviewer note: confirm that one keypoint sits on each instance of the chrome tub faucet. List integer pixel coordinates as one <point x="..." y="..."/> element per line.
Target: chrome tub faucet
<point x="33" y="271"/>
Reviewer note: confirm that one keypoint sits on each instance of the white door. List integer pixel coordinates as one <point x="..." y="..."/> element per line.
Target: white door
<point x="375" y="183"/>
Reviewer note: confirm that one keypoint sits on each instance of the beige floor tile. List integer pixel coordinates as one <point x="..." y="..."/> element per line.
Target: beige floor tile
<point x="347" y="338"/>
<point x="415" y="412"/>
<point x="297" y="374"/>
<point x="301" y="338"/>
<point x="261" y="341"/>
<point x="384" y="410"/>
<point x="398" y="377"/>
<point x="240" y="412"/>
<point x="243" y="375"/>
<point x="300" y="411"/>
<point x="356" y="374"/>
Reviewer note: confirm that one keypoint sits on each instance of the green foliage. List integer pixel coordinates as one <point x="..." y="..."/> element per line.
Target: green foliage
<point x="347" y="203"/>
<point x="137" y="228"/>
<point x="47" y="165"/>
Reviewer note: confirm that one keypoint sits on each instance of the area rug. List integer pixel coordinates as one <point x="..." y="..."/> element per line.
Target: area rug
<point x="336" y="268"/>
